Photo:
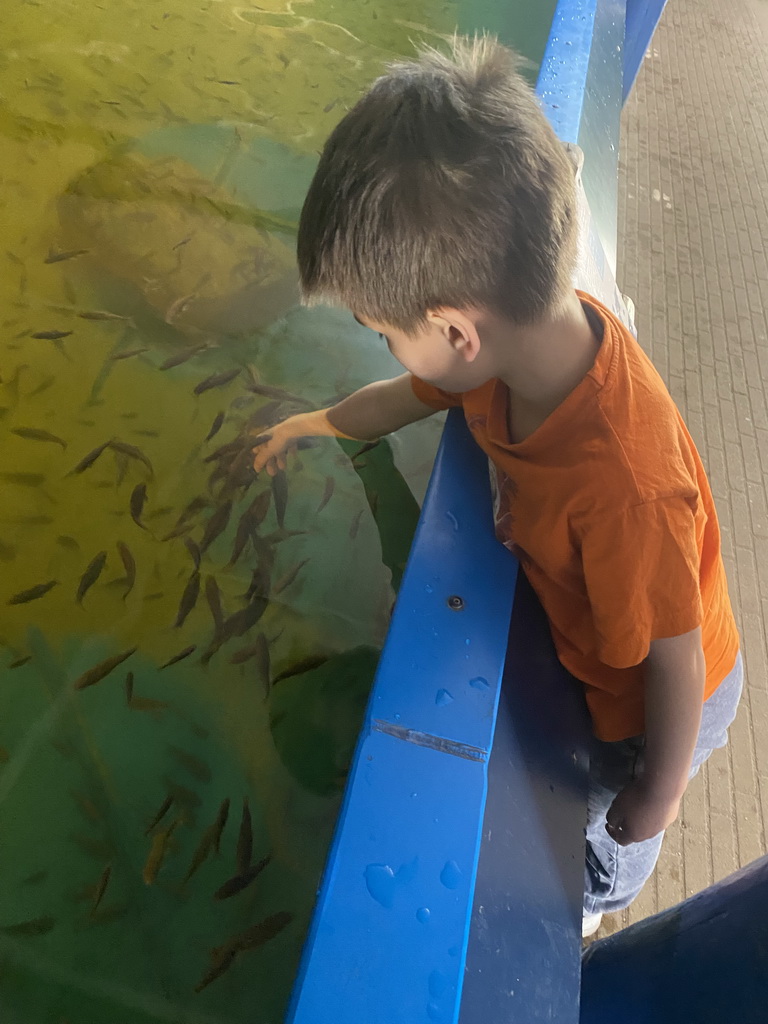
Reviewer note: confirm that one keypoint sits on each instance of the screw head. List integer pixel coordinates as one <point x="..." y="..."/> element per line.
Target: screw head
<point x="456" y="603"/>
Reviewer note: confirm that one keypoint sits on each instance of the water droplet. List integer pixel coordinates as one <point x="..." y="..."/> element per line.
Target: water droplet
<point x="414" y="795"/>
<point x="422" y="915"/>
<point x="433" y="1011"/>
<point x="442" y="698"/>
<point x="438" y="983"/>
<point x="452" y="520"/>
<point x="450" y="876"/>
<point x="380" y="880"/>
<point x="467" y="641"/>
<point x="396" y="717"/>
<point x="479" y="683"/>
<point x="429" y="589"/>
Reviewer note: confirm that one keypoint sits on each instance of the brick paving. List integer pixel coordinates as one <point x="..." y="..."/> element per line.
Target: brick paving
<point x="693" y="255"/>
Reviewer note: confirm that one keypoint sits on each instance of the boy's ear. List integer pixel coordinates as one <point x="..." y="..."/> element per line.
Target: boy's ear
<point x="459" y="328"/>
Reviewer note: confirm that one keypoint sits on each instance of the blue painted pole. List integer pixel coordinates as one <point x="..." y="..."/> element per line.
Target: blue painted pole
<point x="705" y="961"/>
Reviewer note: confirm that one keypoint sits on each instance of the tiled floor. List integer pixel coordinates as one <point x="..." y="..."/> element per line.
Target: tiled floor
<point x="693" y="231"/>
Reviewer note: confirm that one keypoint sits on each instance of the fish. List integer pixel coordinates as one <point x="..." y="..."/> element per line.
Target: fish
<point x="219" y="965"/>
<point x="245" y="529"/>
<point x="42" y="386"/>
<point x="201" y="853"/>
<point x="193" y="550"/>
<point x="68" y="543"/>
<point x="138" y="498"/>
<point x="87" y="806"/>
<point x="23" y="479"/>
<point x="245" y="840"/>
<point x="259" y="649"/>
<point x="330" y="485"/>
<point x="88" y="460"/>
<point x="58" y="257"/>
<point x="217" y="380"/>
<point x="279" y="484"/>
<point x="162" y="810"/>
<point x="102" y="314"/>
<point x="194" y="765"/>
<point x="36" y="926"/>
<point x="20" y="661"/>
<point x="215" y="426"/>
<point x="216" y="525"/>
<point x="355" y="524"/>
<point x="51" y="335"/>
<point x="29" y="520"/>
<point x="128" y="354"/>
<point x="101" y="888"/>
<point x="221" y="821"/>
<point x="33" y="434"/>
<point x="188" y="599"/>
<point x="181" y="357"/>
<point x="133" y="453"/>
<point x="96" y="848"/>
<point x="34" y="593"/>
<point x="102" y="670"/>
<point x="35" y="878"/>
<point x="148" y="704"/>
<point x="91" y="574"/>
<point x="213" y="597"/>
<point x="157" y="853"/>
<point x="129" y="687"/>
<point x="180" y="656"/>
<point x="257" y="934"/>
<point x="241" y="881"/>
<point x="285" y="581"/>
<point x="129" y="564"/>
<point x="367" y="447"/>
<point x="268" y="391"/>
<point x="305" y="665"/>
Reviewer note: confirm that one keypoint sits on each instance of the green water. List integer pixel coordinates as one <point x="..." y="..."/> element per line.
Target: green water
<point x="153" y="159"/>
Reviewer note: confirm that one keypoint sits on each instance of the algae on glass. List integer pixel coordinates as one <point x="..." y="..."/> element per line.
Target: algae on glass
<point x="186" y="648"/>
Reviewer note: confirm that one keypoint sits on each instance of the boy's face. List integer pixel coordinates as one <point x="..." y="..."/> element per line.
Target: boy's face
<point x="446" y="352"/>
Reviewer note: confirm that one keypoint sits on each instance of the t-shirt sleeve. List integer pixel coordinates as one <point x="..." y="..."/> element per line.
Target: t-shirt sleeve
<point x="641" y="567"/>
<point x="432" y="396"/>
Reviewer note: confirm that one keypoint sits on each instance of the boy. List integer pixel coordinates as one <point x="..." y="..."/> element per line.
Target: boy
<point x="442" y="214"/>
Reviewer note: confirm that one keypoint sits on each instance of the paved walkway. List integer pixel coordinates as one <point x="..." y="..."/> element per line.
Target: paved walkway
<point x="693" y="237"/>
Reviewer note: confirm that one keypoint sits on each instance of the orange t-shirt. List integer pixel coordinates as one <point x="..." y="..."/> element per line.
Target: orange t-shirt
<point x="608" y="508"/>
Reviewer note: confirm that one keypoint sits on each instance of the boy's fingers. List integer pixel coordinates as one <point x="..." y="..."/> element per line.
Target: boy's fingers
<point x="260" y="439"/>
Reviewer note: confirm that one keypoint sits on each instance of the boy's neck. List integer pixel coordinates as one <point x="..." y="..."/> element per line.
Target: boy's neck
<point x="545" y="363"/>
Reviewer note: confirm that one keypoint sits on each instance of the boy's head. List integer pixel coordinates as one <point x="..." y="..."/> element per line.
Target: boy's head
<point x="443" y="191"/>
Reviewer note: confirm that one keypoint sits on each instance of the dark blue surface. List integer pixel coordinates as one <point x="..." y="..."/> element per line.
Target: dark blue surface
<point x="642" y="19"/>
<point x="705" y="961"/>
<point x="523" y="960"/>
<point x="388" y="938"/>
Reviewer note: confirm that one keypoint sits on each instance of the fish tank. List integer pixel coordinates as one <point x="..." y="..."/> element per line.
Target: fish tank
<point x="186" y="648"/>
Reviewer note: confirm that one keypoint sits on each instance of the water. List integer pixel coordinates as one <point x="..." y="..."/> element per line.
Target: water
<point x="153" y="163"/>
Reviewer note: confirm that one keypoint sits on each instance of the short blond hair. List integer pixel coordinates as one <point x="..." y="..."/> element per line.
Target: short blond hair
<point x="445" y="185"/>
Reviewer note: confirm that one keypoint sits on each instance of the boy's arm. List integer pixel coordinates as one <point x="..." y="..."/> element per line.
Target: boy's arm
<point x="369" y="413"/>
<point x="674" y="694"/>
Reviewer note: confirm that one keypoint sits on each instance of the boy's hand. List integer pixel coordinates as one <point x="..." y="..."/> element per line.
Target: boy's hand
<point x="639" y="813"/>
<point x="274" y="446"/>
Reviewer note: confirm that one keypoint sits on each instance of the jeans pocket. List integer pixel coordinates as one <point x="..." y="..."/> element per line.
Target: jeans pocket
<point x="600" y="865"/>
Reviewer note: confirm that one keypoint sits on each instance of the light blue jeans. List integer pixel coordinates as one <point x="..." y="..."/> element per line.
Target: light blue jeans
<point x="614" y="875"/>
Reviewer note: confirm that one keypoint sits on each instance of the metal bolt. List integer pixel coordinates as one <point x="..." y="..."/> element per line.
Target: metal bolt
<point x="456" y="603"/>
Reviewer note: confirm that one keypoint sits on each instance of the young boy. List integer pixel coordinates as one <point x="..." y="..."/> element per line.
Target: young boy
<point x="442" y="214"/>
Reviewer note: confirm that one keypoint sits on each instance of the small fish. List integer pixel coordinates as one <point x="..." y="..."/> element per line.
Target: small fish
<point x="245" y="529"/>
<point x="128" y="354"/>
<point x="245" y="840"/>
<point x="33" y="434"/>
<point x="23" y="479"/>
<point x="148" y="704"/>
<point x="42" y="386"/>
<point x="88" y="460"/>
<point x="37" y="926"/>
<point x="329" y="106"/>
<point x="102" y="670"/>
<point x="279" y="484"/>
<point x="217" y="380"/>
<point x="213" y="597"/>
<point x="102" y="314"/>
<point x="194" y="765"/>
<point x="68" y="543"/>
<point x="51" y="335"/>
<point x="20" y="661"/>
<point x="5" y="755"/>
<point x="138" y="498"/>
<point x="101" y="888"/>
<point x="241" y="881"/>
<point x="129" y="564"/>
<point x="87" y="807"/>
<point x="180" y="656"/>
<point x="355" y="524"/>
<point x="29" y="520"/>
<point x="305" y="665"/>
<point x="181" y="357"/>
<point x="133" y="453"/>
<point x="330" y="484"/>
<point x="91" y="574"/>
<point x="201" y="853"/>
<point x="193" y="550"/>
<point x="162" y="810"/>
<point x="258" y="649"/>
<point x="367" y="447"/>
<point x="215" y="426"/>
<point x="188" y="599"/>
<point x="157" y="853"/>
<point x="129" y="688"/>
<point x="35" y="878"/>
<point x="216" y="525"/>
<point x="221" y="821"/>
<point x="285" y="581"/>
<point x="58" y="257"/>
<point x="257" y="934"/>
<point x="268" y="391"/>
<point x="219" y="965"/>
<point x="34" y="593"/>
